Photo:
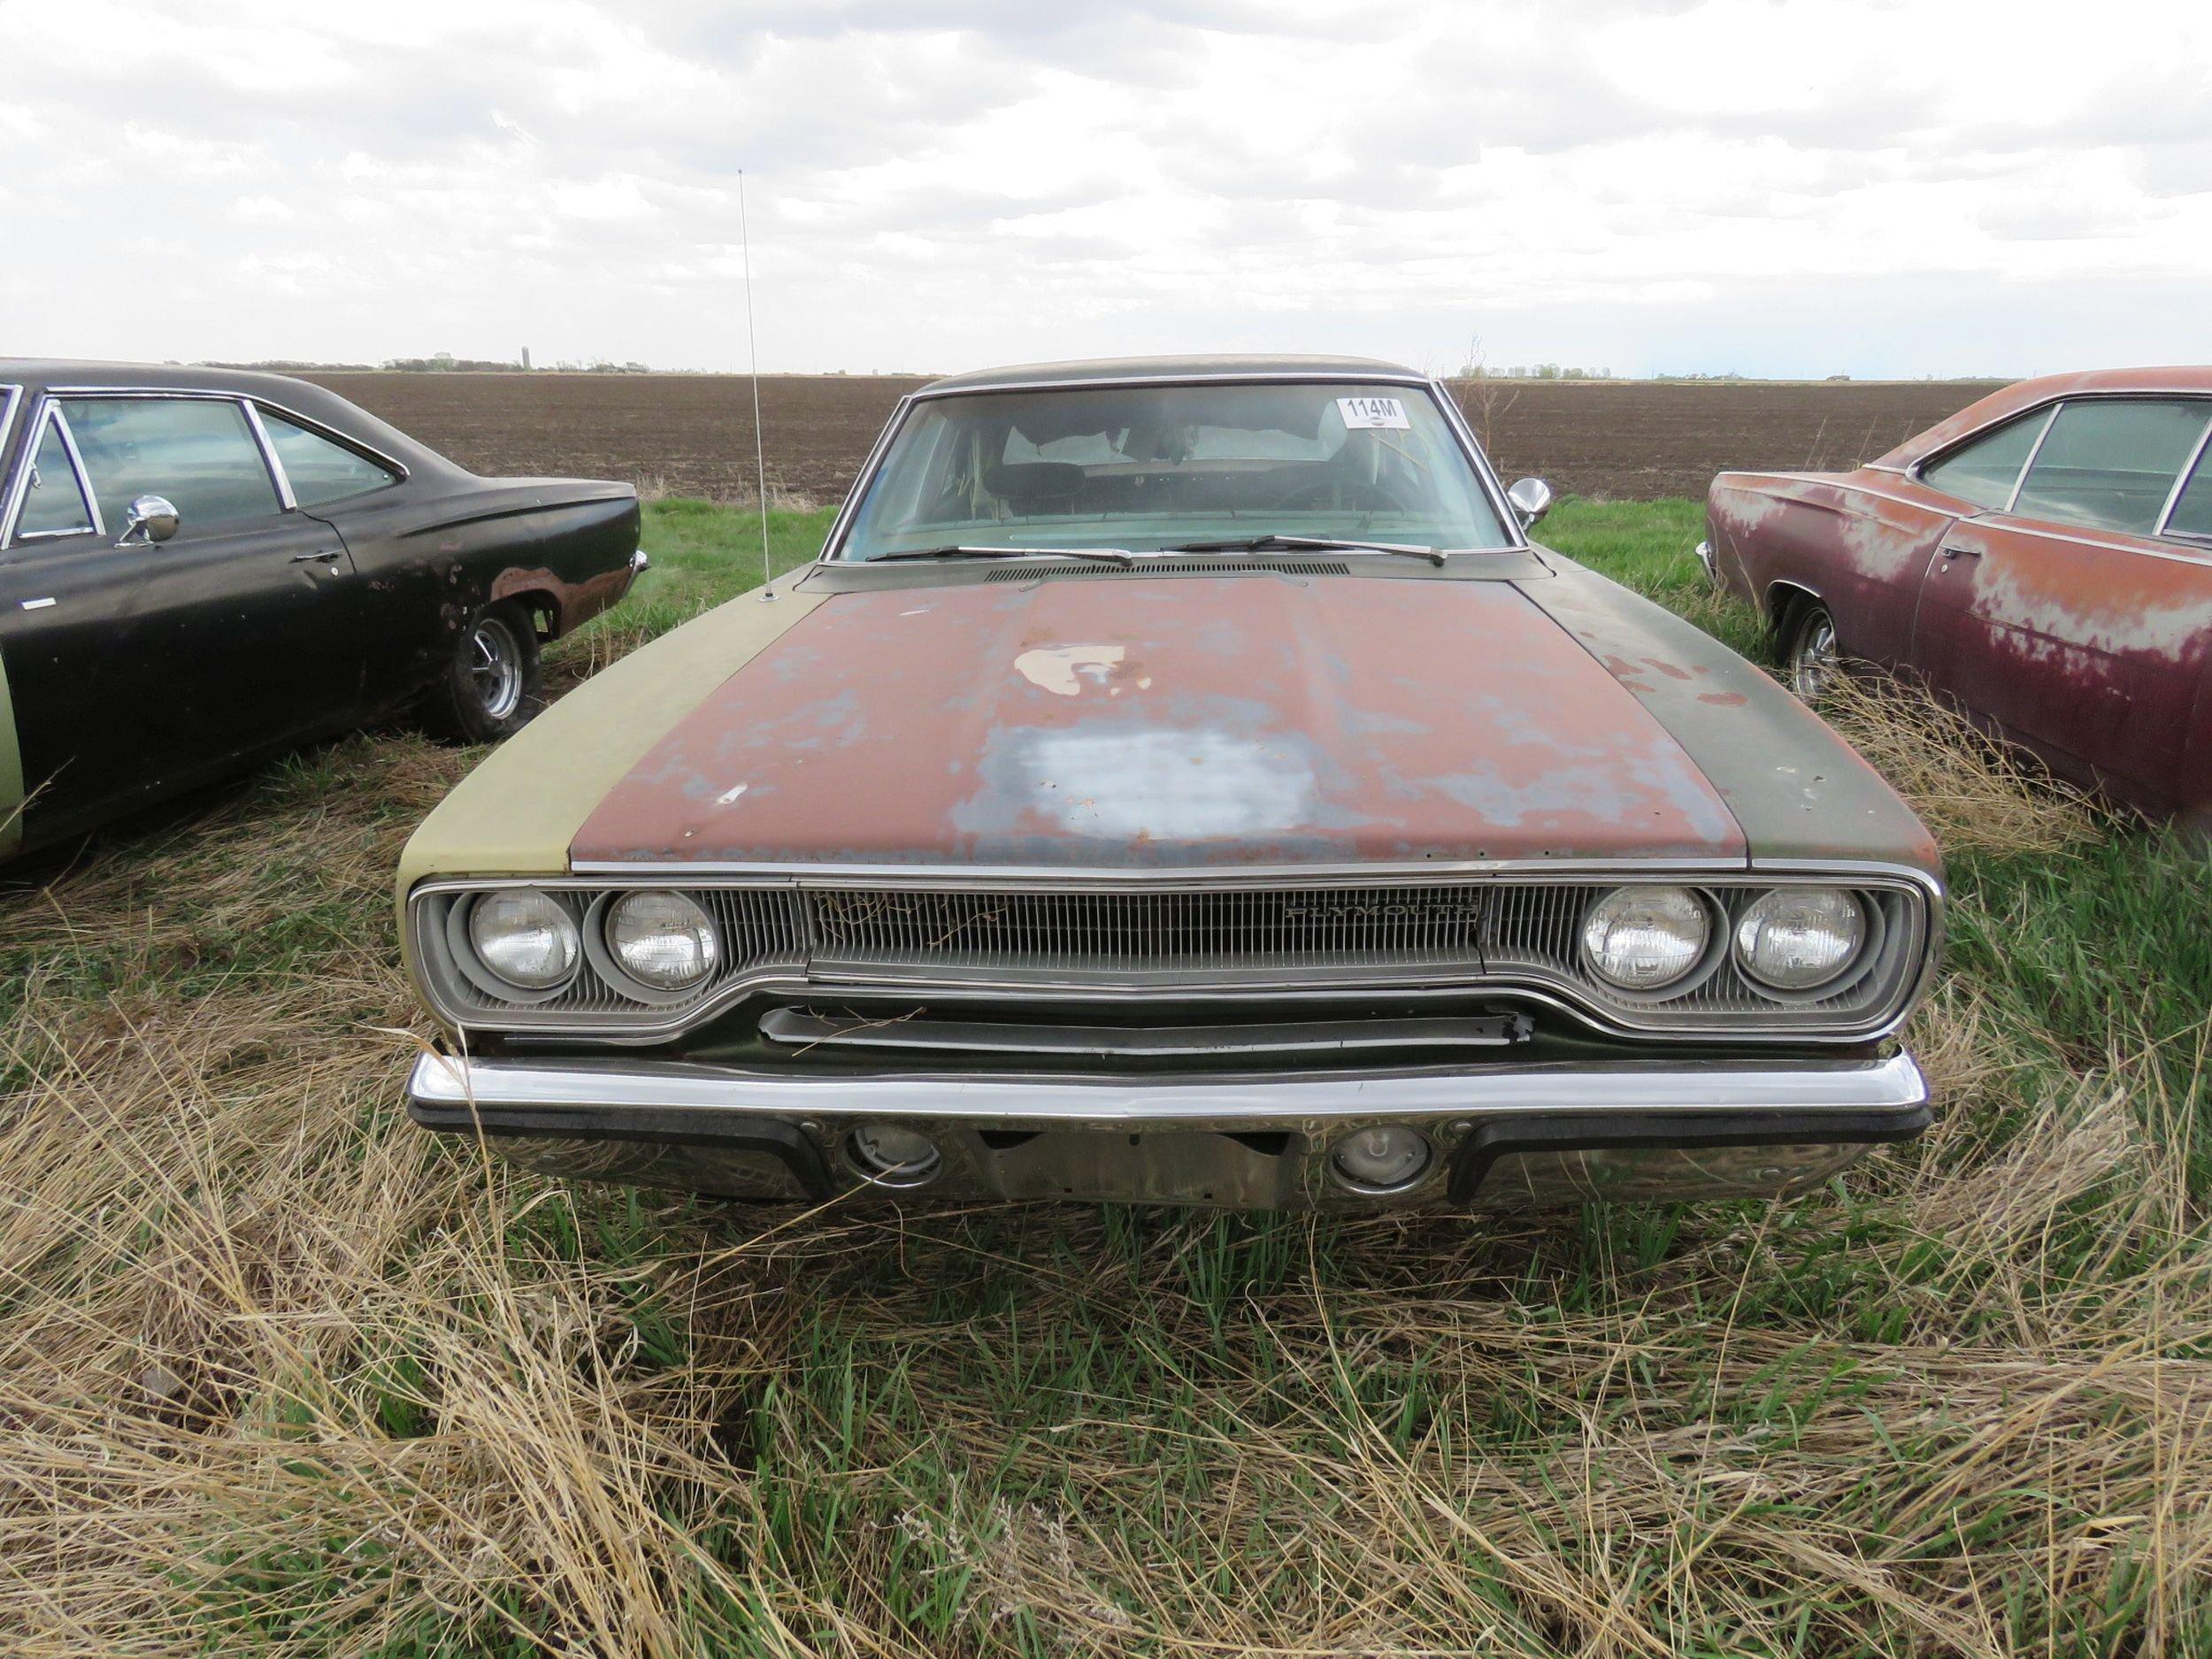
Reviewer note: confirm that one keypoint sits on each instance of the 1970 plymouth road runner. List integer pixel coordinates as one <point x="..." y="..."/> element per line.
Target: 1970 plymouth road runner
<point x="202" y="567"/>
<point x="1182" y="780"/>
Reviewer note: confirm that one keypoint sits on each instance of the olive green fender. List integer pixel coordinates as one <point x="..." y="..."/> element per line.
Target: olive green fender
<point x="516" y="814"/>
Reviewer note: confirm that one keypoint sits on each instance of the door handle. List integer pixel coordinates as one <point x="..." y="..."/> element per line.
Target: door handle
<point x="328" y="556"/>
<point x="1950" y="553"/>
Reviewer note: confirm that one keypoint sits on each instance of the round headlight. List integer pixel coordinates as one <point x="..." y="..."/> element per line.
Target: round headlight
<point x="1795" y="938"/>
<point x="661" y="939"/>
<point x="525" y="936"/>
<point x="1641" y="939"/>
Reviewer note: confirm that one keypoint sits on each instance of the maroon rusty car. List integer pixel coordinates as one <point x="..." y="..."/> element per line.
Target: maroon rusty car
<point x="2043" y="559"/>
<point x="1177" y="781"/>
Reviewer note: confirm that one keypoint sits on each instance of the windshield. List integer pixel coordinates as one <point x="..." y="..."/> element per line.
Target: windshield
<point x="1148" y="467"/>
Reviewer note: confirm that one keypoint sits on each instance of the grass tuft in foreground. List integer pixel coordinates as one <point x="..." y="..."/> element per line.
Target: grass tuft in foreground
<point x="280" y="1375"/>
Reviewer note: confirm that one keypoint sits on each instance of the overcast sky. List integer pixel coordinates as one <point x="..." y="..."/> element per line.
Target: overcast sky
<point x="1771" y="187"/>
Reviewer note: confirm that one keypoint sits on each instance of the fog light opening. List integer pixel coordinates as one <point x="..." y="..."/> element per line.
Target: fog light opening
<point x="887" y="1155"/>
<point x="1388" y="1158"/>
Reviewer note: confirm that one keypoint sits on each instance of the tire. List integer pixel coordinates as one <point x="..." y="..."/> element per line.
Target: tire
<point x="1813" y="658"/>
<point x="492" y="684"/>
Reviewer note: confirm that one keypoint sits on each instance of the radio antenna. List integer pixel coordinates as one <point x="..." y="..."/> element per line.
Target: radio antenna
<point x="752" y="352"/>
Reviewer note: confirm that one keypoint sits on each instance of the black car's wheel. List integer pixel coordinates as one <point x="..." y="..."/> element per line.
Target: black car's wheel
<point x="1814" y="656"/>
<point x="492" y="684"/>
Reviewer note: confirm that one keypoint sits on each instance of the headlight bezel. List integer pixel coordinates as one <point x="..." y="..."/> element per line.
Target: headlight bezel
<point x="600" y="948"/>
<point x="1873" y="935"/>
<point x="1710" y="953"/>
<point x="461" y="946"/>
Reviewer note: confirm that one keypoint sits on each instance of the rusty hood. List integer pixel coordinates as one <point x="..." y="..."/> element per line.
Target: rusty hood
<point x="1247" y="719"/>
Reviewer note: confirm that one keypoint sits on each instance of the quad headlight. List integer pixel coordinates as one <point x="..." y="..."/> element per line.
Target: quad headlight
<point x="525" y="937"/>
<point x="1798" y="939"/>
<point x="1644" y="939"/>
<point x="661" y="939"/>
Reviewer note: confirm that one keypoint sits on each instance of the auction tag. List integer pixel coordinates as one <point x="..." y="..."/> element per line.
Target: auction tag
<point x="1373" y="414"/>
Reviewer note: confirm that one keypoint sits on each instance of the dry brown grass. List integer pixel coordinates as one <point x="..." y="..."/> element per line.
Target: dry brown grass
<point x="280" y="1374"/>
<point x="1976" y="793"/>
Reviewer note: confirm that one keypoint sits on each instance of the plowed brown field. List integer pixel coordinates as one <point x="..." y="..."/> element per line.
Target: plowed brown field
<point x="692" y="434"/>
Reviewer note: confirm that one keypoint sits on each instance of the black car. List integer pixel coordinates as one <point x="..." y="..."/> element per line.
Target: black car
<point x="199" y="568"/>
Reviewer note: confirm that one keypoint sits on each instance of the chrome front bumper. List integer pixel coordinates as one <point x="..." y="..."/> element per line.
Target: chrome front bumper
<point x="1499" y="1136"/>
<point x="1708" y="563"/>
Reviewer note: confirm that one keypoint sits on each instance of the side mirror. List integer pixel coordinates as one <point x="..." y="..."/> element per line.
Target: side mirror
<point x="1530" y="499"/>
<point x="152" y="519"/>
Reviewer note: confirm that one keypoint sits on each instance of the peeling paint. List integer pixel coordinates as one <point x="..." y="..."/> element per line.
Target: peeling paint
<point x="2091" y="647"/>
<point x="1062" y="670"/>
<point x="1341" y="721"/>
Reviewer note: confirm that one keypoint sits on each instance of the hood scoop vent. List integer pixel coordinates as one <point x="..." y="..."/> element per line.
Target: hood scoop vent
<point x="1177" y="567"/>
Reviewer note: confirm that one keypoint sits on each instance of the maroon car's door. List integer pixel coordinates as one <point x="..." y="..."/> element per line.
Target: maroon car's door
<point x="2066" y="620"/>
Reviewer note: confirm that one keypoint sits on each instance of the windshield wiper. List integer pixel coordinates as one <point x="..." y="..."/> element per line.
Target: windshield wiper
<point x="1259" y="543"/>
<point x="1110" y="556"/>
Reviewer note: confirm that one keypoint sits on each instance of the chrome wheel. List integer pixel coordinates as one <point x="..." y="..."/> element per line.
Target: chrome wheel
<point x="494" y="667"/>
<point x="1817" y="658"/>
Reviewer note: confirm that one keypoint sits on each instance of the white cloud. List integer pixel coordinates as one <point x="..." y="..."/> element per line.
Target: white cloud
<point x="1784" y="186"/>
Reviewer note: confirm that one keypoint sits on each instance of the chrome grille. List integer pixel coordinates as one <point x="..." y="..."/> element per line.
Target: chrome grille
<point x="1162" y="938"/>
<point x="1502" y="933"/>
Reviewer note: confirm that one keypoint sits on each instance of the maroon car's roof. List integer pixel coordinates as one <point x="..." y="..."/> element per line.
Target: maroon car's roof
<point x="2028" y="394"/>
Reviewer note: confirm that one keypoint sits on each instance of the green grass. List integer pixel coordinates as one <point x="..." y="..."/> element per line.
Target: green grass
<point x="282" y="1375"/>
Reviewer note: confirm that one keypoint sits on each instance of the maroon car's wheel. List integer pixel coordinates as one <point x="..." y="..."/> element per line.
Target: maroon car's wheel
<point x="1814" y="656"/>
<point x="493" y="683"/>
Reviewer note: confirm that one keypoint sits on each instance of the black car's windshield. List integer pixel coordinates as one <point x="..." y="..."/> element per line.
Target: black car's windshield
<point x="1153" y="467"/>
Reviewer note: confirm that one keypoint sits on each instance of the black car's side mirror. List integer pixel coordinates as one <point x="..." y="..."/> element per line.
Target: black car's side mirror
<point x="153" y="518"/>
<point x="1532" y="500"/>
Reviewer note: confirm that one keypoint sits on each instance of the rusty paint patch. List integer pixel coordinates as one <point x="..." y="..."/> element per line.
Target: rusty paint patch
<point x="2091" y="647"/>
<point x="575" y="604"/>
<point x="1338" y="722"/>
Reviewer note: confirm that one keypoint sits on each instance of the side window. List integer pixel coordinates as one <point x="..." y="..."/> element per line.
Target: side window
<point x="197" y="452"/>
<point x="53" y="501"/>
<point x="2192" y="511"/>
<point x="318" y="469"/>
<point x="2111" y="465"/>
<point x="1985" y="470"/>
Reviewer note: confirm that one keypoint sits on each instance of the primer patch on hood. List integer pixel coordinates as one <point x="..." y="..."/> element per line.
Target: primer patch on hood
<point x="1062" y="669"/>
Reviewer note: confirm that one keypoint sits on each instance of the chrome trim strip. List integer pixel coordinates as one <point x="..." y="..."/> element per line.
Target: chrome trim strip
<point x="969" y="878"/>
<point x="2020" y="479"/>
<point x="84" y="477"/>
<point x="285" y="498"/>
<point x="1351" y="375"/>
<point x="2181" y="482"/>
<point x="1471" y="447"/>
<point x="2132" y="393"/>
<point x="19" y="485"/>
<point x="850" y="506"/>
<point x="9" y="397"/>
<point x="312" y="424"/>
<point x="1894" y="1083"/>
<point x="1843" y="481"/>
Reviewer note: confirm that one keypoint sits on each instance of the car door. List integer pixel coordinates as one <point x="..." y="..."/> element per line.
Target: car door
<point x="137" y="666"/>
<point x="2063" y="615"/>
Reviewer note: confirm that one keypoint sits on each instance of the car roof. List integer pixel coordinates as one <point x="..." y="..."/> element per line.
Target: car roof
<point x="2026" y="394"/>
<point x="1194" y="367"/>
<point x="304" y="397"/>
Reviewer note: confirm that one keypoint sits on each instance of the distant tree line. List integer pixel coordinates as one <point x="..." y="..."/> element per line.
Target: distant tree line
<point x="441" y="362"/>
